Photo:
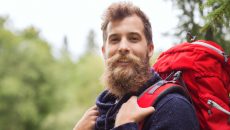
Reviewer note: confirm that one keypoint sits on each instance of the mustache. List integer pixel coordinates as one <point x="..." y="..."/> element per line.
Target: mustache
<point x="118" y="57"/>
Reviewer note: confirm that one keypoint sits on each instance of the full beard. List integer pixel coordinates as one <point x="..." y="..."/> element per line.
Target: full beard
<point x="121" y="80"/>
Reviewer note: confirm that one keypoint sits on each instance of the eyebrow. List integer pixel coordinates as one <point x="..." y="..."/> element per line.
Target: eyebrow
<point x="115" y="34"/>
<point x="130" y="33"/>
<point x="134" y="33"/>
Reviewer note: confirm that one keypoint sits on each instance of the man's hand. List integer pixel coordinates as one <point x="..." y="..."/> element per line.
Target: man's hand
<point x="131" y="112"/>
<point x="87" y="122"/>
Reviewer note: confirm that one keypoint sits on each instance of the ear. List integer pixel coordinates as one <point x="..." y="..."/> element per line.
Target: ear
<point x="150" y="49"/>
<point x="103" y="51"/>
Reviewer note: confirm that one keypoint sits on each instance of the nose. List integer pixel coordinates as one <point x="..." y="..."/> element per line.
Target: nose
<point x="124" y="47"/>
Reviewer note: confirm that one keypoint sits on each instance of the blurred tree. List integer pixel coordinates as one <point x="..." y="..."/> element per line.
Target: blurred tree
<point x="2" y="21"/>
<point x="207" y="19"/>
<point x="65" y="43"/>
<point x="91" y="44"/>
<point x="30" y="33"/>
<point x="82" y="85"/>
<point x="219" y="14"/>
<point x="27" y="87"/>
<point x="65" y="55"/>
<point x="39" y="91"/>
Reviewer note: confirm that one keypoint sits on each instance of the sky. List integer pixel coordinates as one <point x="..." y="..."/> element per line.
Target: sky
<point x="75" y="18"/>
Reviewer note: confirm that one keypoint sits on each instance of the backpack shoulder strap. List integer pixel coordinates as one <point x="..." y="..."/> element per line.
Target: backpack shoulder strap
<point x="152" y="95"/>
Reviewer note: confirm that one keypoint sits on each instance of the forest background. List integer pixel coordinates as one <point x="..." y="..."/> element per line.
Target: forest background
<point x="43" y="91"/>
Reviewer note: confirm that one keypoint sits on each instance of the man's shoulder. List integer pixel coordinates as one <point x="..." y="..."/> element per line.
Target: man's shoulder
<point x="173" y="99"/>
<point x="173" y="111"/>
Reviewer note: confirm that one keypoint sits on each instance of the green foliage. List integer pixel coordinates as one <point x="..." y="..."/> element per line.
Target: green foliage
<point x="24" y="81"/>
<point x="80" y="88"/>
<point x="39" y="91"/>
<point x="207" y="20"/>
<point x="30" y="33"/>
<point x="220" y="13"/>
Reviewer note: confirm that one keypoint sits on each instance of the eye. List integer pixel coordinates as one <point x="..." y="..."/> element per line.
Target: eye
<point x="114" y="39"/>
<point x="134" y="38"/>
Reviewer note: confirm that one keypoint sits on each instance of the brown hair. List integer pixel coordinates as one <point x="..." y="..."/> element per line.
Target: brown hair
<point x="120" y="10"/>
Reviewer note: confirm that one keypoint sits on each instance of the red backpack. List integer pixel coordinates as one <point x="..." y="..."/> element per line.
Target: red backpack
<point x="202" y="70"/>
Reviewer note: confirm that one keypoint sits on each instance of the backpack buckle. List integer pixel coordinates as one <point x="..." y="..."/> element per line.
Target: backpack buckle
<point x="177" y="75"/>
<point x="225" y="57"/>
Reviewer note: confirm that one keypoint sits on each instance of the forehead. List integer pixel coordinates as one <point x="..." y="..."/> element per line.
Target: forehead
<point x="130" y="24"/>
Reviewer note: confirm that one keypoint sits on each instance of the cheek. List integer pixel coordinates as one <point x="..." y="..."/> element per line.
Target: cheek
<point x="141" y="52"/>
<point x="107" y="53"/>
<point x="110" y="51"/>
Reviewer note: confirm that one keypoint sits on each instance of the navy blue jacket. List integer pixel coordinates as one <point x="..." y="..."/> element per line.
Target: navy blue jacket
<point x="173" y="112"/>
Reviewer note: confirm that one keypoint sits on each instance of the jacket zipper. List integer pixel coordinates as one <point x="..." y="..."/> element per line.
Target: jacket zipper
<point x="217" y="106"/>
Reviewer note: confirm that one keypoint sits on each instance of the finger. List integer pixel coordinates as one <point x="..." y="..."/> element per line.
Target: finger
<point x="94" y="107"/>
<point x="148" y="110"/>
<point x="93" y="113"/>
<point x="94" y="118"/>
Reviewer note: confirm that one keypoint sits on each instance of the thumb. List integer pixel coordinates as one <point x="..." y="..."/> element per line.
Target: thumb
<point x="146" y="111"/>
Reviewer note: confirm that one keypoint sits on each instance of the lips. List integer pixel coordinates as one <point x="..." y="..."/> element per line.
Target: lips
<point x="123" y="62"/>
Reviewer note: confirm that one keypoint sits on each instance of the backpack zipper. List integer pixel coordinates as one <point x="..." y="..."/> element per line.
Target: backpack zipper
<point x="213" y="48"/>
<point x="217" y="106"/>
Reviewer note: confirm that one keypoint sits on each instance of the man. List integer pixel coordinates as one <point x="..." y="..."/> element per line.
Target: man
<point x="127" y="48"/>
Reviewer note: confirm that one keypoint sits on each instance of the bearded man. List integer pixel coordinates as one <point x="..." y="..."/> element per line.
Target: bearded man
<point x="127" y="48"/>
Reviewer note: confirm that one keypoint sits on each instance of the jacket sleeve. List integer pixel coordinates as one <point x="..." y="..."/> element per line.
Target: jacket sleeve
<point x="173" y="112"/>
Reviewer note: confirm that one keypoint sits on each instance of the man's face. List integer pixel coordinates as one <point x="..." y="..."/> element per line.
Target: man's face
<point x="126" y="36"/>
<point x="126" y="55"/>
